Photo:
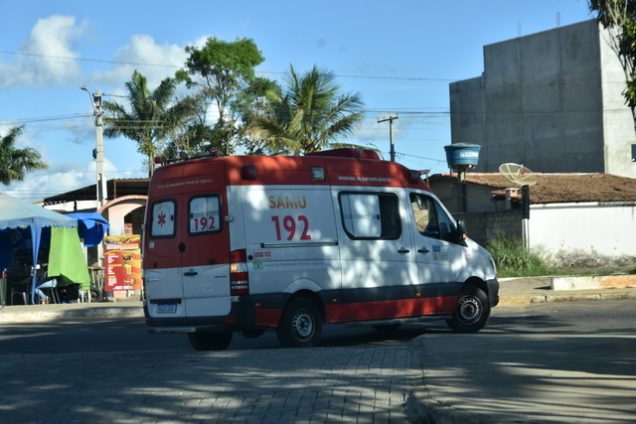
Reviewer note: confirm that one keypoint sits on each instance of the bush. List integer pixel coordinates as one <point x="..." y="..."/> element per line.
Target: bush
<point x="513" y="260"/>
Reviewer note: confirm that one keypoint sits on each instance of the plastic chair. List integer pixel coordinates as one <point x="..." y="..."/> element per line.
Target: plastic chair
<point x="21" y="290"/>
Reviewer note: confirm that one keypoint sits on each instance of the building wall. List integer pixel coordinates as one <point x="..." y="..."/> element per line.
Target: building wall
<point x="483" y="227"/>
<point x="448" y="190"/>
<point x="551" y="101"/>
<point x="618" y="124"/>
<point x="588" y="228"/>
<point x="117" y="217"/>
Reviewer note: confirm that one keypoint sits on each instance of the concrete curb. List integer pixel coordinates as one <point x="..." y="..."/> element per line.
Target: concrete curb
<point x="593" y="282"/>
<point x="566" y="297"/>
<point x="98" y="311"/>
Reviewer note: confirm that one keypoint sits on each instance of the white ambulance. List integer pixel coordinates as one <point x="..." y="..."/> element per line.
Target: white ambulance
<point x="253" y="243"/>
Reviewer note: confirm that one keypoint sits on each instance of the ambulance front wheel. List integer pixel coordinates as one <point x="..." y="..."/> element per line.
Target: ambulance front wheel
<point x="210" y="340"/>
<point x="472" y="311"/>
<point x="301" y="324"/>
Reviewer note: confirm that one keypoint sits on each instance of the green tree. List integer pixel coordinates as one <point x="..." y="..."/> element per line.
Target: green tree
<point x="309" y="116"/>
<point x="155" y="119"/>
<point x="15" y="163"/>
<point x="224" y="73"/>
<point x="619" y="18"/>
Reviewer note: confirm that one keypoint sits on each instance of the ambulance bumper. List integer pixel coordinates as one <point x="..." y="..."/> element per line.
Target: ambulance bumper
<point x="241" y="316"/>
<point x="493" y="292"/>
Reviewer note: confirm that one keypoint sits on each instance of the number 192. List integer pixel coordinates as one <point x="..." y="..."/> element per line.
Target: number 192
<point x="290" y="226"/>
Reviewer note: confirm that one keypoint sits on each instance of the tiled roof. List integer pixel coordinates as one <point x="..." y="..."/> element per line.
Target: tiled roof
<point x="564" y="187"/>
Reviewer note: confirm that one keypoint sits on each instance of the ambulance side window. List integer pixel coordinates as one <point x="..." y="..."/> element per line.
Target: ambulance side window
<point x="204" y="215"/>
<point x="163" y="213"/>
<point x="430" y="219"/>
<point x="370" y="215"/>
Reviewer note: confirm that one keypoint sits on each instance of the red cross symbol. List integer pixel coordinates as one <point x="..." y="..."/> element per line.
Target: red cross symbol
<point x="161" y="219"/>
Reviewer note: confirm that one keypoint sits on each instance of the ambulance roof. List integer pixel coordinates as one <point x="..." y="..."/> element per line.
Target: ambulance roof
<point x="315" y="169"/>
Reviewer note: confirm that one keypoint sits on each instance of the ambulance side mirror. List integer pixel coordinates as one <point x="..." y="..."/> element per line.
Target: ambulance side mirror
<point x="460" y="232"/>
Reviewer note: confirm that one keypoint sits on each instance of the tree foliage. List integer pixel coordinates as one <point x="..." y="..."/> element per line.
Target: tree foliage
<point x="308" y="116"/>
<point x="155" y="118"/>
<point x="224" y="72"/>
<point x="15" y="163"/>
<point x="619" y="18"/>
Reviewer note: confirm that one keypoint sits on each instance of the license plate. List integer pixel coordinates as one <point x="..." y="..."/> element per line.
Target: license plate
<point x="166" y="308"/>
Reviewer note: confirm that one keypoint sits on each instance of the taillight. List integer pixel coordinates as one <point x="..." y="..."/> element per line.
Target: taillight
<point x="239" y="277"/>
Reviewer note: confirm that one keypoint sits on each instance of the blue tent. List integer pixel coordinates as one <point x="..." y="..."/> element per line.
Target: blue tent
<point x="18" y="214"/>
<point x="91" y="227"/>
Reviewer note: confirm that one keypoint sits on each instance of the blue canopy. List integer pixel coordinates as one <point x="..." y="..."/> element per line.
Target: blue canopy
<point x="91" y="227"/>
<point x="15" y="213"/>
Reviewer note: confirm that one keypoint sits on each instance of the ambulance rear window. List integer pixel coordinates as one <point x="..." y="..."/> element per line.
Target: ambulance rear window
<point x="204" y="215"/>
<point x="162" y="219"/>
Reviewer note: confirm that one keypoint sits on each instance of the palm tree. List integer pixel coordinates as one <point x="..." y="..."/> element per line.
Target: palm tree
<point x="155" y="117"/>
<point x="14" y="162"/>
<point x="309" y="115"/>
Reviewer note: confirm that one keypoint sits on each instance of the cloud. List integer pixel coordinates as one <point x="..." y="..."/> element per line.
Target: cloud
<point x="80" y="132"/>
<point x="44" y="57"/>
<point x="156" y="62"/>
<point x="60" y="178"/>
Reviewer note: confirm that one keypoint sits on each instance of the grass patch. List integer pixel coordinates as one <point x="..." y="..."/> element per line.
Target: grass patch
<point x="513" y="260"/>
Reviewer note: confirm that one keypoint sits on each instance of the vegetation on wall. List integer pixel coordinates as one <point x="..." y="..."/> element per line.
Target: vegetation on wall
<point x="619" y="18"/>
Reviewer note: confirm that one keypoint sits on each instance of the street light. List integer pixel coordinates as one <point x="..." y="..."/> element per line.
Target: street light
<point x="98" y="113"/>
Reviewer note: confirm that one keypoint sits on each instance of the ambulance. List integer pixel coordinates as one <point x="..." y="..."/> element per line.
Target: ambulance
<point x="290" y="244"/>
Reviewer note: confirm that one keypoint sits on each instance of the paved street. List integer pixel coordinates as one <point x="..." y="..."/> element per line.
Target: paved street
<point x="562" y="354"/>
<point x="115" y="372"/>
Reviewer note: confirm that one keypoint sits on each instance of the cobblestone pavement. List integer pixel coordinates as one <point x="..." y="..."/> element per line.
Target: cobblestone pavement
<point x="331" y="384"/>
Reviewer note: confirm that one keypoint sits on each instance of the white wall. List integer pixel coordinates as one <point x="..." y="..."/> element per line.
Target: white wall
<point x="606" y="229"/>
<point x="117" y="214"/>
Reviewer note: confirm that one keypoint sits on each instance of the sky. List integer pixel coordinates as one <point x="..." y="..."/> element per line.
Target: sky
<point x="400" y="56"/>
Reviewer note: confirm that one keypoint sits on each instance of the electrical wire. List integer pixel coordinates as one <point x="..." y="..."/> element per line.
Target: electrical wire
<point x="165" y="65"/>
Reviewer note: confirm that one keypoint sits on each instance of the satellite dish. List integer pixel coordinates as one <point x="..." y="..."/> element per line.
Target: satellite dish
<point x="518" y="174"/>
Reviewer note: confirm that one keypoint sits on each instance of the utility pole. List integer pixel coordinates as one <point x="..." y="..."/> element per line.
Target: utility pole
<point x="98" y="113"/>
<point x="390" y="118"/>
<point x="98" y="154"/>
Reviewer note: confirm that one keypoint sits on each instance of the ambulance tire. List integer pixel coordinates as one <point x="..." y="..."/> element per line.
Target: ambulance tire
<point x="210" y="341"/>
<point x="301" y="324"/>
<point x="472" y="311"/>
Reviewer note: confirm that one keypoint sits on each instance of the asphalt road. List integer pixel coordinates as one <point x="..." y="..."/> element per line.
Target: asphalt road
<point x="114" y="371"/>
<point x="568" y="362"/>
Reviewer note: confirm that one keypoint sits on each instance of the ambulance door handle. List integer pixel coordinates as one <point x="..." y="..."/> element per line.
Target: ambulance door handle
<point x="403" y="251"/>
<point x="190" y="273"/>
<point x="423" y="250"/>
<point x="182" y="247"/>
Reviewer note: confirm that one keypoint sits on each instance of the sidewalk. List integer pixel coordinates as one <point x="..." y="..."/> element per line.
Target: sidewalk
<point x="524" y="291"/>
<point x="20" y="314"/>
<point x="512" y="292"/>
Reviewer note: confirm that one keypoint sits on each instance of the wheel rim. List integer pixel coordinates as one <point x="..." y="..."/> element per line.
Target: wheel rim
<point x="303" y="325"/>
<point x="469" y="309"/>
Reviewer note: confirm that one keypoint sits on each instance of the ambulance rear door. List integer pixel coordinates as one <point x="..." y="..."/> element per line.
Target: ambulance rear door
<point x="187" y="244"/>
<point x="204" y="245"/>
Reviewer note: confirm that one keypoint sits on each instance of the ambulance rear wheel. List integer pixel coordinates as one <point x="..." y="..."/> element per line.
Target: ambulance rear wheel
<point x="301" y="324"/>
<point x="472" y="311"/>
<point x="210" y="341"/>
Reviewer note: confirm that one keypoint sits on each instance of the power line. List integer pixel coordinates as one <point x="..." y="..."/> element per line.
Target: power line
<point x="165" y="65"/>
<point x="20" y="121"/>
<point x="86" y="59"/>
